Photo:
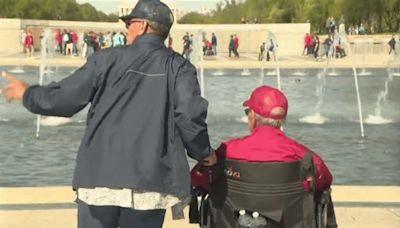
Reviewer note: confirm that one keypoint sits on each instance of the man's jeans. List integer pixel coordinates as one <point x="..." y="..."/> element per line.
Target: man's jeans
<point x="113" y="217"/>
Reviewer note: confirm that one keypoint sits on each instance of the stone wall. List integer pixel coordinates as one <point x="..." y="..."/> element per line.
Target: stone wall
<point x="10" y="35"/>
<point x="250" y="36"/>
<point x="289" y="36"/>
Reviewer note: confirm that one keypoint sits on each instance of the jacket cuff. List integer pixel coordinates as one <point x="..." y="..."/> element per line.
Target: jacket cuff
<point x="204" y="154"/>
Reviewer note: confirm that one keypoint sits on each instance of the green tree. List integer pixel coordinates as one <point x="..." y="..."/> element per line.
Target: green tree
<point x="52" y="10"/>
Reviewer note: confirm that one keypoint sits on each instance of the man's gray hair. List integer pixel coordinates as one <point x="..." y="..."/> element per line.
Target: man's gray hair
<point x="269" y="121"/>
<point x="159" y="29"/>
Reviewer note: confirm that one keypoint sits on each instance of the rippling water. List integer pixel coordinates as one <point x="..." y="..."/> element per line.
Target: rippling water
<point x="375" y="160"/>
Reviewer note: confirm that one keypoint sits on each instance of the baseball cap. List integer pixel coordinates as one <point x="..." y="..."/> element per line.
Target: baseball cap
<point x="152" y="10"/>
<point x="264" y="100"/>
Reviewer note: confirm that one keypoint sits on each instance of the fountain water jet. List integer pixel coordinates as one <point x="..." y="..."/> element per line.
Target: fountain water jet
<point x="364" y="71"/>
<point x="332" y="52"/>
<point x="317" y="118"/>
<point x="377" y="117"/>
<point x="271" y="44"/>
<point x="394" y="64"/>
<point x="246" y="71"/>
<point x="46" y="49"/>
<point x="359" y="105"/>
<point x="17" y="70"/>
<point x="299" y="73"/>
<point x="219" y="72"/>
<point x="196" y="57"/>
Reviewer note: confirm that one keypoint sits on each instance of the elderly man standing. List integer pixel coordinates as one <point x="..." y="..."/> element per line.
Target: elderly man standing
<point x="145" y="110"/>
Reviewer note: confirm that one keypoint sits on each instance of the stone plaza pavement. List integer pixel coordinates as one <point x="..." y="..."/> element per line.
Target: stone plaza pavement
<point x="53" y="207"/>
<point x="222" y="61"/>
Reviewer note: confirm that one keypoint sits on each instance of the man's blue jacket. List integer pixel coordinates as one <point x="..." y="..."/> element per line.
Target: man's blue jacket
<point x="145" y="109"/>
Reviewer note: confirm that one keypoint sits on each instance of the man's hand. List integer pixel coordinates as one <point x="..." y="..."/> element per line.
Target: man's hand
<point x="210" y="159"/>
<point x="15" y="89"/>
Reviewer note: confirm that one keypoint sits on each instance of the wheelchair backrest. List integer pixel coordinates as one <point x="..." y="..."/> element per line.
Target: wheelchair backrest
<point x="274" y="189"/>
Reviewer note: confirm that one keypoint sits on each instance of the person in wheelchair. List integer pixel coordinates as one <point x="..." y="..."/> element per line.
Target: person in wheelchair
<point x="256" y="166"/>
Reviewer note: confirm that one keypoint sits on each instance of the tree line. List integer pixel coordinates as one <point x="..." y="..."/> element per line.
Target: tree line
<point x="375" y="15"/>
<point x="68" y="10"/>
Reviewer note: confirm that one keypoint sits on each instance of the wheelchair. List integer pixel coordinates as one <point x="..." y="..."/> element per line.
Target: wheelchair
<point x="273" y="189"/>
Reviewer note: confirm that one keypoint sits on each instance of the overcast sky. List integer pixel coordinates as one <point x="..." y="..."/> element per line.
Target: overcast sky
<point x="109" y="6"/>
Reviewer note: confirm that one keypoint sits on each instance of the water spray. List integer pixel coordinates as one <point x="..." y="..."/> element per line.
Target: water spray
<point x="360" y="115"/>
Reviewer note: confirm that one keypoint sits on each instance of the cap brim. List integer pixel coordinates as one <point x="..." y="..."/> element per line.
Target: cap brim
<point x="126" y="17"/>
<point x="246" y="103"/>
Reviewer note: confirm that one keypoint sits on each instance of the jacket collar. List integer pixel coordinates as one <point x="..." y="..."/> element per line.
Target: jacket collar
<point x="263" y="128"/>
<point x="148" y="38"/>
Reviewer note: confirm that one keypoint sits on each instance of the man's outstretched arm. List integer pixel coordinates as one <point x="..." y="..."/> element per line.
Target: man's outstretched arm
<point x="64" y="98"/>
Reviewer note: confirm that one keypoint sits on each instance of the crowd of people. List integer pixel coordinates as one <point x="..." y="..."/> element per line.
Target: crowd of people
<point x="267" y="49"/>
<point x="209" y="46"/>
<point x="247" y="20"/>
<point x="73" y="43"/>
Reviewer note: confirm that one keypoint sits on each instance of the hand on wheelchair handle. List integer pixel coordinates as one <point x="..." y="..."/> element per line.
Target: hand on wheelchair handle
<point x="210" y="160"/>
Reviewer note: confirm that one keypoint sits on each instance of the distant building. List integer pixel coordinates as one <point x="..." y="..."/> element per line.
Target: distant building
<point x="205" y="11"/>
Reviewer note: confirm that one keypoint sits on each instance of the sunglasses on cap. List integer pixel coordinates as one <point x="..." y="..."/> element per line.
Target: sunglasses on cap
<point x="247" y="111"/>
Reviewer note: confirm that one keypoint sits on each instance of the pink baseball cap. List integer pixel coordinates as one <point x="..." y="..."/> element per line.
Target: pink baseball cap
<point x="264" y="99"/>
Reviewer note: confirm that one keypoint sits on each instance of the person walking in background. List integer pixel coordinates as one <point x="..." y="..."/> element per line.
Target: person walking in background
<point x="236" y="46"/>
<point x="74" y="40"/>
<point x="214" y="43"/>
<point x="69" y="45"/>
<point x="262" y="52"/>
<point x="392" y="45"/>
<point x="170" y="41"/>
<point x="332" y="25"/>
<point x="307" y="44"/>
<point x="146" y="115"/>
<point x="327" y="46"/>
<point x="58" y="38"/>
<point x="108" y="40"/>
<point x="185" y="39"/>
<point x="22" y="40"/>
<point x="118" y="40"/>
<point x="88" y="40"/>
<point x="205" y="43"/>
<point x="84" y="45"/>
<point x="328" y="25"/>
<point x="317" y="43"/>
<point x="270" y="48"/>
<point x="28" y="43"/>
<point x="191" y="40"/>
<point x="186" y="46"/>
<point x="242" y="20"/>
<point x="361" y="30"/>
<point x="231" y="46"/>
<point x="65" y="40"/>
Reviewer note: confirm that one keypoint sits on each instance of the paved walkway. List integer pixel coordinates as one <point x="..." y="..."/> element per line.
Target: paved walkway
<point x="247" y="60"/>
<point x="53" y="207"/>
